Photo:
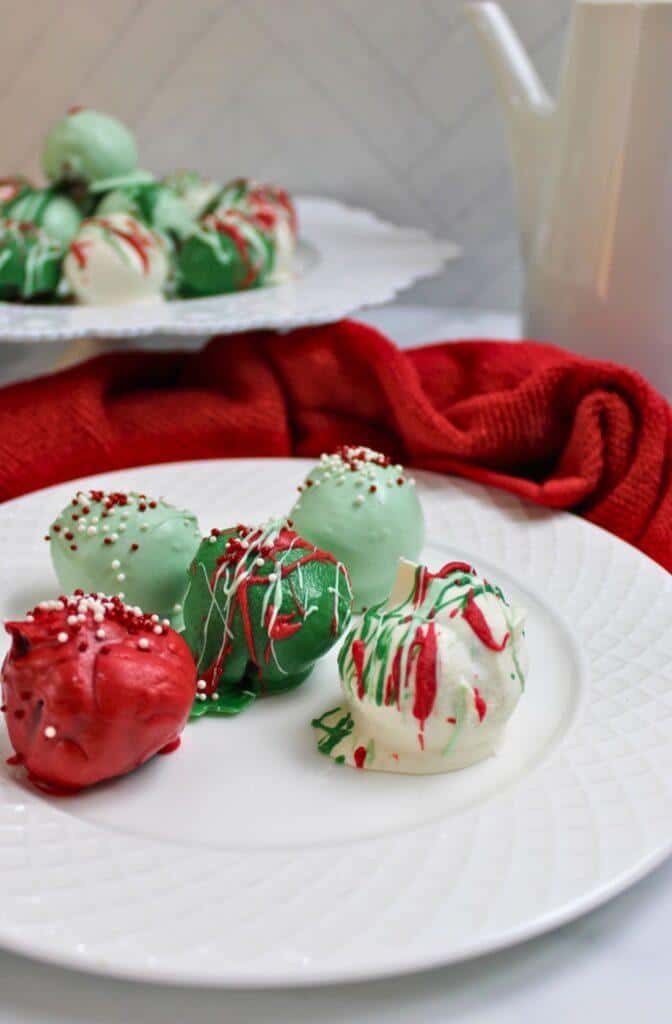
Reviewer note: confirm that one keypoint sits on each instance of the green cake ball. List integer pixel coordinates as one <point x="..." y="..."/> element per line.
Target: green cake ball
<point x="358" y="505"/>
<point x="30" y="262"/>
<point x="196" y="192"/>
<point x="273" y="211"/>
<point x="58" y="215"/>
<point x="262" y="606"/>
<point x="153" y="203"/>
<point x="127" y="544"/>
<point x="226" y="254"/>
<point x="86" y="145"/>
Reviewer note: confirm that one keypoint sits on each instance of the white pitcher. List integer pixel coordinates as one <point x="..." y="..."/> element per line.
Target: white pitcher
<point x="594" y="180"/>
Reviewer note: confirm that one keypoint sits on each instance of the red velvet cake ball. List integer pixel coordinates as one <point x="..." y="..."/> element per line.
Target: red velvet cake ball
<point x="92" y="688"/>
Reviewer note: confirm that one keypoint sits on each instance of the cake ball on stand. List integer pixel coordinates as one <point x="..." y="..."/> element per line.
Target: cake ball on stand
<point x="87" y="145"/>
<point x="273" y="211"/>
<point x="227" y="253"/>
<point x="125" y="543"/>
<point x="92" y="688"/>
<point x="196" y="192"/>
<point x="30" y="262"/>
<point x="364" y="509"/>
<point x="57" y="214"/>
<point x="431" y="678"/>
<point x="116" y="260"/>
<point x="262" y="606"/>
<point x="156" y="205"/>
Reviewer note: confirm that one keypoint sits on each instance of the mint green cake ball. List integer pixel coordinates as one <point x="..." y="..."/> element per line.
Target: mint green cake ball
<point x="197" y="192"/>
<point x="366" y="512"/>
<point x="154" y="204"/>
<point x="57" y="214"/>
<point x="124" y="543"/>
<point x="86" y="145"/>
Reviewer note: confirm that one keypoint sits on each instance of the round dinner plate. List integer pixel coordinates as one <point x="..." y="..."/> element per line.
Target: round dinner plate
<point x="248" y="859"/>
<point x="347" y="259"/>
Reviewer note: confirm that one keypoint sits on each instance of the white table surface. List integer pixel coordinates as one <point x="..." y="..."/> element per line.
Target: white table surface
<point x="611" y="964"/>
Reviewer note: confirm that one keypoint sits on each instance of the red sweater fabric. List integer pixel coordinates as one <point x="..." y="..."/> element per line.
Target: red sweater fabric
<point x="549" y="426"/>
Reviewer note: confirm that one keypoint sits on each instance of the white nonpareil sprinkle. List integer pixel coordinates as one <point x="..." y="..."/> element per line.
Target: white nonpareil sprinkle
<point x="144" y="526"/>
<point x="92" y="530"/>
<point x="116" y="564"/>
<point x="201" y="696"/>
<point x="50" y="732"/>
<point x="359" y="500"/>
<point x="114" y="536"/>
<point x="165" y="622"/>
<point x="201" y="684"/>
<point x="177" y="607"/>
<point x="121" y="576"/>
<point x="272" y="577"/>
<point x="62" y="638"/>
<point x="212" y="540"/>
<point x="259" y="561"/>
<point x="158" y="630"/>
<point x="72" y="620"/>
<point x="100" y="634"/>
<point x="155" y="617"/>
<point x="99" y="617"/>
<point x="143" y="643"/>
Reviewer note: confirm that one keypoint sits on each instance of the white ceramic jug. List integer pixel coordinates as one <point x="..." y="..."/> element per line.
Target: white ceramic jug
<point x="594" y="180"/>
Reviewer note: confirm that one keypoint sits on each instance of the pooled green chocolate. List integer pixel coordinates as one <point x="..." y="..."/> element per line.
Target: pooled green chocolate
<point x="30" y="262"/>
<point x="86" y="145"/>
<point x="262" y="606"/>
<point x="57" y="214"/>
<point x="126" y="543"/>
<point x="365" y="510"/>
<point x="226" y="254"/>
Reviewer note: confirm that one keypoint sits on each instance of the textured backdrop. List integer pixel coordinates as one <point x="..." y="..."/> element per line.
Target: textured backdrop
<point x="385" y="103"/>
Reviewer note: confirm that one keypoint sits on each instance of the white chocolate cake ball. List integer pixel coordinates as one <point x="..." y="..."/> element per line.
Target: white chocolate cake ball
<point x="116" y="260"/>
<point x="431" y="678"/>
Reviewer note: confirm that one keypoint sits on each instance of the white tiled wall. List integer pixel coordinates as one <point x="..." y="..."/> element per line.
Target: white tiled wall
<point x="385" y="103"/>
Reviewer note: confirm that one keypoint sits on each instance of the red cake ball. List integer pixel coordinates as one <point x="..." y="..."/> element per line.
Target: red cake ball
<point x="92" y="688"/>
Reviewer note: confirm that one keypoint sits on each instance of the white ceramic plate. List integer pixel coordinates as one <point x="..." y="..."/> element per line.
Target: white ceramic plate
<point x="347" y="259"/>
<point x="249" y="859"/>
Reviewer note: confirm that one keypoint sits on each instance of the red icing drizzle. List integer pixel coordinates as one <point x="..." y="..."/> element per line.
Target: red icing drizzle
<point x="228" y="227"/>
<point x="360" y="757"/>
<point x="481" y="706"/>
<point x="425" y="673"/>
<point x="234" y="553"/>
<point x="136" y="239"/>
<point x="358" y="653"/>
<point x="478" y="622"/>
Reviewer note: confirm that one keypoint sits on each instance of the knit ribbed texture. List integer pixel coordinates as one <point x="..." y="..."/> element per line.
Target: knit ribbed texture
<point x="544" y="424"/>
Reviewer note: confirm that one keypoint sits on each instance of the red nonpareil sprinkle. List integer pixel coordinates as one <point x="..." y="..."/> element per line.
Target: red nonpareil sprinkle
<point x="360" y="757"/>
<point x="56" y="528"/>
<point x="372" y="489"/>
<point x="69" y="535"/>
<point x="451" y="720"/>
<point x="77" y="109"/>
<point x="353" y="456"/>
<point x="134" y="547"/>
